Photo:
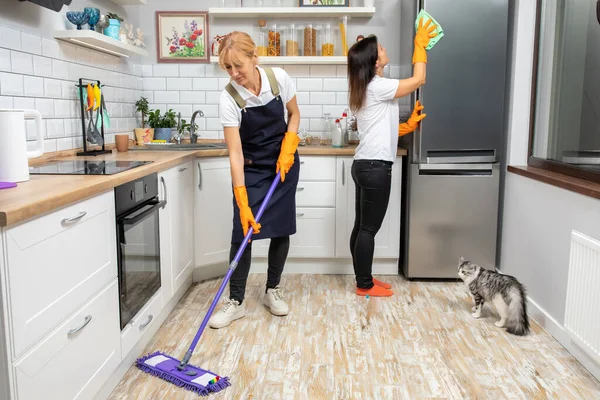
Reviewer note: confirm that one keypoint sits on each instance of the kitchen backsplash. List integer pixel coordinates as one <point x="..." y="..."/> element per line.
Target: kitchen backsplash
<point x="41" y="73"/>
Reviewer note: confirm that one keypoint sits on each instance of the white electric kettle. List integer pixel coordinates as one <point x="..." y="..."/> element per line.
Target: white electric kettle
<point x="14" y="166"/>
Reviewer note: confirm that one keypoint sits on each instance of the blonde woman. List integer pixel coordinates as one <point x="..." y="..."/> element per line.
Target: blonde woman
<point x="252" y="111"/>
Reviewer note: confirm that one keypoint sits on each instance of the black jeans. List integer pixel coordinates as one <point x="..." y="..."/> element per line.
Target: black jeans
<point x="278" y="251"/>
<point x="373" y="180"/>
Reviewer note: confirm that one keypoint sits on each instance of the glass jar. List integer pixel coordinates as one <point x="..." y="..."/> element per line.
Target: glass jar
<point x="310" y="41"/>
<point x="327" y="46"/>
<point x="274" y="41"/>
<point x="291" y="42"/>
<point x="327" y="129"/>
<point x="343" y="24"/>
<point x="262" y="42"/>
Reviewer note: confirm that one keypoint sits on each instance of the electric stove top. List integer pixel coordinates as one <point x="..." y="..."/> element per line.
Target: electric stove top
<point x="82" y="167"/>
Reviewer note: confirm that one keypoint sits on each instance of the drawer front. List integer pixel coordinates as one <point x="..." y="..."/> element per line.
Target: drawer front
<point x="146" y="318"/>
<point x="314" y="238"/>
<point x="74" y="365"/>
<point x="31" y="233"/>
<point x="317" y="168"/>
<point x="315" y="194"/>
<point x="50" y="277"/>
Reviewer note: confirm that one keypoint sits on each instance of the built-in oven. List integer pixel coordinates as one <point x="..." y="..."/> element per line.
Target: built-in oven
<point x="138" y="244"/>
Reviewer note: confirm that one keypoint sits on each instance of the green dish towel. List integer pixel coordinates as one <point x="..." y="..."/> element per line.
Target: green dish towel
<point x="438" y="28"/>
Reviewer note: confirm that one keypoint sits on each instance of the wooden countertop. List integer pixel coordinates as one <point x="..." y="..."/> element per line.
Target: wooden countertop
<point x="46" y="193"/>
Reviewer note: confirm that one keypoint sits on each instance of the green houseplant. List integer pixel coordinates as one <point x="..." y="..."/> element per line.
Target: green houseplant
<point x="162" y="124"/>
<point x="143" y="134"/>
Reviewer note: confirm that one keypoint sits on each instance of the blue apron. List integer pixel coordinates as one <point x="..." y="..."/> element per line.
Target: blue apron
<point x="261" y="132"/>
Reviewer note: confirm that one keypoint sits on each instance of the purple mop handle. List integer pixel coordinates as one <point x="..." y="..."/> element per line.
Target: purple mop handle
<point x="234" y="264"/>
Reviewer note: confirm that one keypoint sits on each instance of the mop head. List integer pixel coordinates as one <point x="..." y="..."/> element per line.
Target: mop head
<point x="438" y="28"/>
<point x="192" y="378"/>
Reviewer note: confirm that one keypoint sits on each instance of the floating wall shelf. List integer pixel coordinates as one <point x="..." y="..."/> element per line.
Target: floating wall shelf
<point x="100" y="42"/>
<point x="130" y="2"/>
<point x="286" y="60"/>
<point x="313" y="12"/>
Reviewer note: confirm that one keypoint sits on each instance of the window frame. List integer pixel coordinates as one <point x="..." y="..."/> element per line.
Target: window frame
<point x="542" y="163"/>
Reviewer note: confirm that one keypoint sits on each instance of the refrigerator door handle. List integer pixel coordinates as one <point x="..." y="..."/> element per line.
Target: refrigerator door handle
<point x="457" y="169"/>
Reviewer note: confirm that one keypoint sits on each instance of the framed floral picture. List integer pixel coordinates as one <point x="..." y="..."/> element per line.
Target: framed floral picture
<point x="182" y="37"/>
<point x="324" y="3"/>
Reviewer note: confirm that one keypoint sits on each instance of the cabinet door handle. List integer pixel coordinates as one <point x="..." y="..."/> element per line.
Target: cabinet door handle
<point x="343" y="173"/>
<point x="66" y="221"/>
<point x="162" y="179"/>
<point x="299" y="189"/>
<point x="88" y="318"/>
<point x="301" y="162"/>
<point x="145" y="324"/>
<point x="182" y="169"/>
<point x="199" y="177"/>
<point x="299" y="214"/>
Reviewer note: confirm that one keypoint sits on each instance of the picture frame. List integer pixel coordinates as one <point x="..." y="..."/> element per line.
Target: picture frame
<point x="182" y="37"/>
<point x="323" y="3"/>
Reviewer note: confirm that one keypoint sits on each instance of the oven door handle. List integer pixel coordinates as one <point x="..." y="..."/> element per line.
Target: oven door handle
<point x="141" y="216"/>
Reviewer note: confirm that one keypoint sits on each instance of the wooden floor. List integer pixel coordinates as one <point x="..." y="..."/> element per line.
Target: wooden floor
<point x="420" y="343"/>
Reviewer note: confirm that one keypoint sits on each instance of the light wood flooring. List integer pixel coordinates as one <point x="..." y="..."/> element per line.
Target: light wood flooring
<point x="420" y="343"/>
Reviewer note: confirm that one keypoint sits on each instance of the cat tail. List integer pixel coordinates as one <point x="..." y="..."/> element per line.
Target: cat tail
<point x="517" y="322"/>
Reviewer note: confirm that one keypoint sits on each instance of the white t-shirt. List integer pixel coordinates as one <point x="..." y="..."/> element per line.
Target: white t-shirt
<point x="229" y="112"/>
<point x="377" y="122"/>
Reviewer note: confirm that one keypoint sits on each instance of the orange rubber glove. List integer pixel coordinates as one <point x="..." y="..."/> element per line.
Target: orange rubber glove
<point x="424" y="33"/>
<point x="286" y="155"/>
<point x="246" y="216"/>
<point x="413" y="122"/>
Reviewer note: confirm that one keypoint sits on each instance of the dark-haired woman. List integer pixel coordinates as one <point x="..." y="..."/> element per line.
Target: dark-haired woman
<point x="373" y="101"/>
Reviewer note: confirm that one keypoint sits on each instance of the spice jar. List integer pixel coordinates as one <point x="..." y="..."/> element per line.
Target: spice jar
<point x="327" y="46"/>
<point x="274" y="46"/>
<point x="291" y="42"/>
<point x="310" y="41"/>
<point x="261" y="43"/>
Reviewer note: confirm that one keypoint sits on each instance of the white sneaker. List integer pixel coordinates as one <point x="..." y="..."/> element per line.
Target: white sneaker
<point x="230" y="311"/>
<point x="275" y="302"/>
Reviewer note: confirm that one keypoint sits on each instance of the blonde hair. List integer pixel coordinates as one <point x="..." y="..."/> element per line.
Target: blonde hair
<point x="234" y="46"/>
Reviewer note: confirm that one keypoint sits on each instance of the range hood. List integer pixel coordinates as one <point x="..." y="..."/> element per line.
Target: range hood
<point x="54" y="5"/>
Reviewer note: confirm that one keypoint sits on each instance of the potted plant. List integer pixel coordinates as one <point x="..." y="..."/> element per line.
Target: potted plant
<point x="143" y="134"/>
<point x="114" y="25"/>
<point x="162" y="124"/>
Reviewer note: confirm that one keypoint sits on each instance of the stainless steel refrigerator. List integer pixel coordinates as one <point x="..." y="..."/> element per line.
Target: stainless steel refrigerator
<point x="451" y="177"/>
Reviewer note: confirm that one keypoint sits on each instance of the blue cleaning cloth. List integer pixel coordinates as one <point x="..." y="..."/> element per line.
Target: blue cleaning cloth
<point x="438" y="28"/>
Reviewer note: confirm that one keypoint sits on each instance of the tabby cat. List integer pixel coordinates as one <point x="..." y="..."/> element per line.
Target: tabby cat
<point x="505" y="291"/>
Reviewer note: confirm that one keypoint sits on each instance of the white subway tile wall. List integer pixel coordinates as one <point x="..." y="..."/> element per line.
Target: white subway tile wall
<point x="187" y="88"/>
<point x="41" y="74"/>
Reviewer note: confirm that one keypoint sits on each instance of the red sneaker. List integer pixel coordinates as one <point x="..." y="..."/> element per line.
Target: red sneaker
<point x="382" y="284"/>
<point x="375" y="291"/>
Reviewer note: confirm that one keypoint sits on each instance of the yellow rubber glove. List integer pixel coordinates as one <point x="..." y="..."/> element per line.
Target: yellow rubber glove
<point x="424" y="33"/>
<point x="246" y="216"/>
<point x="286" y="155"/>
<point x="413" y="122"/>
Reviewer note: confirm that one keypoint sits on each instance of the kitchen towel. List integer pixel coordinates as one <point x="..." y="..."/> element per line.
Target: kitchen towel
<point x="438" y="28"/>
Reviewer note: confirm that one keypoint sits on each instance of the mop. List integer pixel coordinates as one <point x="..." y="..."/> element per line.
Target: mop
<point x="182" y="373"/>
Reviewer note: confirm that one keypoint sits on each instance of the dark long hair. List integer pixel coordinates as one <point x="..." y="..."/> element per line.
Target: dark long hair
<point x="362" y="58"/>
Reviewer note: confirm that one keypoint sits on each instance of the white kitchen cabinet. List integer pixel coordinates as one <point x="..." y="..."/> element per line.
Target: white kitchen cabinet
<point x="315" y="211"/>
<point x="387" y="240"/>
<point x="176" y="228"/>
<point x="56" y="263"/>
<point x="213" y="210"/>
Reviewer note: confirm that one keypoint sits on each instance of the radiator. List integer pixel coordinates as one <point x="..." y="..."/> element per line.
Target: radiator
<point x="582" y="311"/>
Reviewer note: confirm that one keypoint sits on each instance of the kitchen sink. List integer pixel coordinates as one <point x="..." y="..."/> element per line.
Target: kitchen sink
<point x="182" y="146"/>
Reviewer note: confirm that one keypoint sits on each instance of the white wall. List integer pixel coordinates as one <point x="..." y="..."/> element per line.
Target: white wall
<point x="39" y="72"/>
<point x="321" y="88"/>
<point x="538" y="218"/>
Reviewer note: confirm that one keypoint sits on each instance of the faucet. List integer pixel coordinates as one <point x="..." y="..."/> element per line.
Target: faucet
<point x="193" y="135"/>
